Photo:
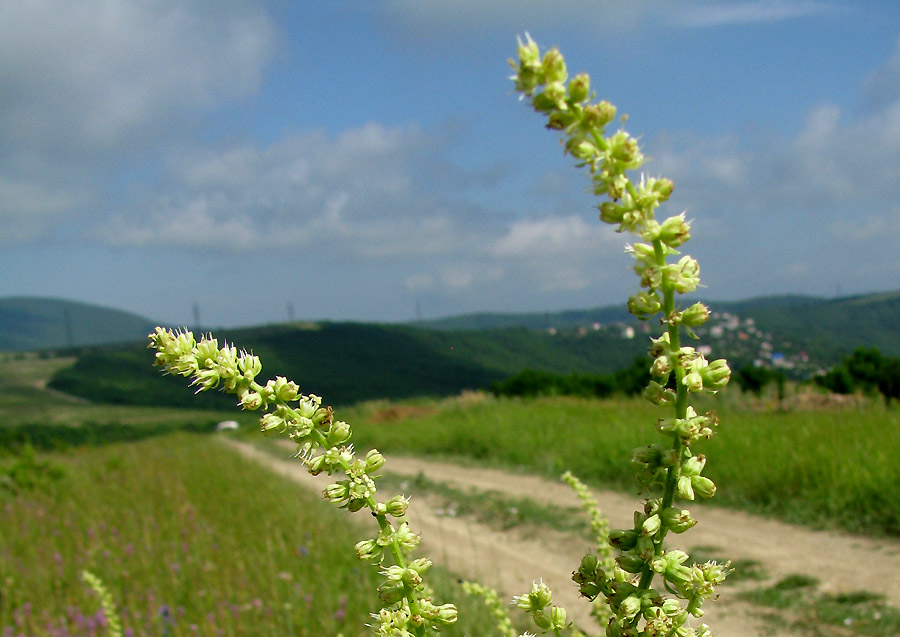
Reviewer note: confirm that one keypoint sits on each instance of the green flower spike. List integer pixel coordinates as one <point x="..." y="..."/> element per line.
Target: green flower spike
<point x="636" y="607"/>
<point x="323" y="446"/>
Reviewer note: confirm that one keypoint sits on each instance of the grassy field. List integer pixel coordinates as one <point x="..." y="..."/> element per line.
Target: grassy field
<point x="188" y="537"/>
<point x="828" y="467"/>
<point x="184" y="534"/>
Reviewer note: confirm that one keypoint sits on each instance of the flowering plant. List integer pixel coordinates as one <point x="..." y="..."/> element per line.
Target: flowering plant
<point x="666" y="472"/>
<point x="624" y="586"/>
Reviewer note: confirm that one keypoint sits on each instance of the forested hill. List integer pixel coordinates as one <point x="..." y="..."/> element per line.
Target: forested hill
<point x="825" y="329"/>
<point x="32" y="323"/>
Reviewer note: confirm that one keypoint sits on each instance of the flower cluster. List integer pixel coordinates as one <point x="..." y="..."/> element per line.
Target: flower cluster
<point x="537" y="604"/>
<point x="107" y="606"/>
<point x="323" y="446"/>
<point x="666" y="472"/>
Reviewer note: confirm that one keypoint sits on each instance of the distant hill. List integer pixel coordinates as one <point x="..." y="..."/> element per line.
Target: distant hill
<point x="31" y="323"/>
<point x="827" y="329"/>
<point x="351" y="362"/>
<point x="824" y="329"/>
<point x="531" y="320"/>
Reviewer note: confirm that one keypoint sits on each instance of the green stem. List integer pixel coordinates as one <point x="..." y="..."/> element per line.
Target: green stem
<point x="681" y="403"/>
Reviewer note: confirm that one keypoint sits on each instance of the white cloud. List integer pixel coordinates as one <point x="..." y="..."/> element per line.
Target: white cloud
<point x="89" y="87"/>
<point x="557" y="236"/>
<point x="98" y="73"/>
<point x="714" y="14"/>
<point x="433" y="20"/>
<point x="355" y="194"/>
<point x="25" y="207"/>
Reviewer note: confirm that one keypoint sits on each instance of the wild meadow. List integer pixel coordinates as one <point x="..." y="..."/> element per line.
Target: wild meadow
<point x="188" y="537"/>
<point x="825" y="467"/>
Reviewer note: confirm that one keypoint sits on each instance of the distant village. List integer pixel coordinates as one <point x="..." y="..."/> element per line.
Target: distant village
<point x="727" y="335"/>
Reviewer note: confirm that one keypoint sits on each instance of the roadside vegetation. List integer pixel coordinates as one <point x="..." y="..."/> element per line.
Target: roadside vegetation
<point x="187" y="537"/>
<point x="775" y="462"/>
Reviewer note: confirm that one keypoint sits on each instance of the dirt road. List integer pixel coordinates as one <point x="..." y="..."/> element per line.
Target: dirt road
<point x="509" y="562"/>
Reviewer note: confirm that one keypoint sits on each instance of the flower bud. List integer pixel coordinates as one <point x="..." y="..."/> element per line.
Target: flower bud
<point x="397" y="506"/>
<point x="693" y="381"/>
<point x="695" y="315"/>
<point x="687" y="276"/>
<point x="557" y="618"/>
<point x="391" y="592"/>
<point x="693" y="466"/>
<point x="368" y="550"/>
<point x="560" y="120"/>
<point x="446" y="614"/>
<point x="589" y="563"/>
<point x="703" y="486"/>
<point x="541" y="619"/>
<point x="625" y="149"/>
<point x="677" y="520"/>
<point x="674" y="231"/>
<point x="581" y="149"/>
<point x="630" y="562"/>
<point x="336" y="492"/>
<point x="251" y="401"/>
<point x="658" y="394"/>
<point x="644" y="304"/>
<point x="374" y="460"/>
<point x="338" y="433"/>
<point x="284" y="389"/>
<point x="630" y="607"/>
<point x="671" y="606"/>
<point x="661" y="367"/>
<point x="651" y="526"/>
<point x="684" y="488"/>
<point x="406" y="538"/>
<point x="271" y="421"/>
<point x="596" y="116"/>
<point x="716" y="374"/>
<point x="623" y="539"/>
<point x="554" y="66"/>
<point x="553" y="98"/>
<point x="580" y="87"/>
<point x="316" y="465"/>
<point x="611" y="212"/>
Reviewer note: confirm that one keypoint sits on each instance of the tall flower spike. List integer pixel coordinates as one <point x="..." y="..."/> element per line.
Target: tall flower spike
<point x="636" y="608"/>
<point x="323" y="446"/>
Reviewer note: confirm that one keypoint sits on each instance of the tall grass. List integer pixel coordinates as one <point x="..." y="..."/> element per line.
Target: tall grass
<point x="802" y="466"/>
<point x="188" y="537"/>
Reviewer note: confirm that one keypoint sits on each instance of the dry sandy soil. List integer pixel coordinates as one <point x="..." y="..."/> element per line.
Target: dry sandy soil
<point x="510" y="561"/>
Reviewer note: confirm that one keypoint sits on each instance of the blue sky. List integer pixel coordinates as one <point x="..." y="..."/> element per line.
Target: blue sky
<point x="355" y="160"/>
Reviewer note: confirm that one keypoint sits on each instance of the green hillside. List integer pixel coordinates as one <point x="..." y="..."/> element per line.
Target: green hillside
<point x="345" y="363"/>
<point x="825" y="330"/>
<point x="30" y="323"/>
<point x="351" y="362"/>
<point x="828" y="329"/>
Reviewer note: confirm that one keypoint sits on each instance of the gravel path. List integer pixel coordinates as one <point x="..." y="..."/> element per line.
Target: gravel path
<point x="509" y="561"/>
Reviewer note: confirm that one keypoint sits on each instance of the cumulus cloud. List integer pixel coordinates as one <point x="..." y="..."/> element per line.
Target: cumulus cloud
<point x="89" y="86"/>
<point x="101" y="73"/>
<point x="355" y="193"/>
